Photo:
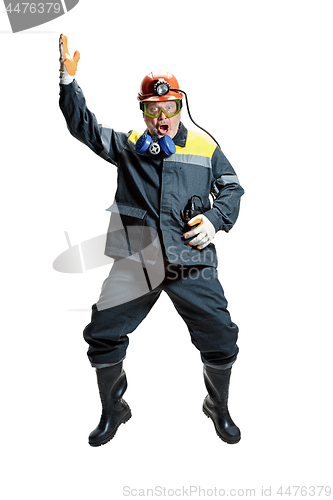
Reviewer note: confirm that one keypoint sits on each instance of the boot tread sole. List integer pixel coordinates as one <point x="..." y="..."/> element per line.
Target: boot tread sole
<point x="111" y="436"/>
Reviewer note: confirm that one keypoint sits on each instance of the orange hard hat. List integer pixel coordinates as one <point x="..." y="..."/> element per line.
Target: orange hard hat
<point x="148" y="91"/>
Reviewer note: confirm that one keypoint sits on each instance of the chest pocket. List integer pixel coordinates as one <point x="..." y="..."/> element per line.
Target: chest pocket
<point x="194" y="179"/>
<point x="193" y="173"/>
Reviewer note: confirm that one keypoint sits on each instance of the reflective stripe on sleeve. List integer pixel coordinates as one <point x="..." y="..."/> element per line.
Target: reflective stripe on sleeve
<point x="106" y="137"/>
<point x="227" y="179"/>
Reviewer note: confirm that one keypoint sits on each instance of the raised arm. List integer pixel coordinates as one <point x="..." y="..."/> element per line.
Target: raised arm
<point x="81" y="122"/>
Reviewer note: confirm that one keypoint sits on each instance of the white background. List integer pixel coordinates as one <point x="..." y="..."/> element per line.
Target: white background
<point x="258" y="76"/>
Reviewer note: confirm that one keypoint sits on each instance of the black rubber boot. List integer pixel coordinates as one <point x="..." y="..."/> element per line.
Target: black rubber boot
<point x="215" y="404"/>
<point x="112" y="384"/>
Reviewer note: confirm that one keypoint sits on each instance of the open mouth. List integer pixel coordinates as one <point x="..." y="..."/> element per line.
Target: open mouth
<point x="163" y="129"/>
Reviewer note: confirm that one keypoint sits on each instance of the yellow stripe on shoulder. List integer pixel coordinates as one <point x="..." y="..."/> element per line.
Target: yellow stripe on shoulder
<point x="134" y="136"/>
<point x="197" y="144"/>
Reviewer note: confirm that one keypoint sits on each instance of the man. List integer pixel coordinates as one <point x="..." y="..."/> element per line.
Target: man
<point x="165" y="177"/>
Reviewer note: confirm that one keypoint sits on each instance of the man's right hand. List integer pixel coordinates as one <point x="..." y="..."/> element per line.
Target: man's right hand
<point x="68" y="65"/>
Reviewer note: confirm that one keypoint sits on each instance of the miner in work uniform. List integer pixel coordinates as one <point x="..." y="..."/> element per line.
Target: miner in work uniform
<point x="160" y="237"/>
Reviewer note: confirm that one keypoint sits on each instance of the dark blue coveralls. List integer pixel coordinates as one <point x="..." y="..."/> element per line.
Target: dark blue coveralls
<point x="145" y="237"/>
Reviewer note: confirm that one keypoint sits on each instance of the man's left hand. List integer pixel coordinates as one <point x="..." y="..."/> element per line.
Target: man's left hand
<point x="204" y="232"/>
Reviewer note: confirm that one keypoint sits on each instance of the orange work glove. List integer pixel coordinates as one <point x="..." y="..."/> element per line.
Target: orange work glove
<point x="204" y="232"/>
<point x="68" y="65"/>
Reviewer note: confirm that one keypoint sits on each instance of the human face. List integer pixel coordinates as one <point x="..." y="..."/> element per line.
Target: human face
<point x="162" y="125"/>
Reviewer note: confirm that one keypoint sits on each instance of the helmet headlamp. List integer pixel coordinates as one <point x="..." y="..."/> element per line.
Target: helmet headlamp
<point x="161" y="87"/>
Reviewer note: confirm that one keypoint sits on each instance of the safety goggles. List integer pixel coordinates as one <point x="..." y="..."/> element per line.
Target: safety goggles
<point x="170" y="108"/>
